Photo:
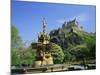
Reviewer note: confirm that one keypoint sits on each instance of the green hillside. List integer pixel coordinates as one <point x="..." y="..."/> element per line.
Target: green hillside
<point x="76" y="43"/>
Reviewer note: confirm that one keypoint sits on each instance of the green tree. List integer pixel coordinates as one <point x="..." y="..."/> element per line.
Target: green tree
<point x="16" y="44"/>
<point x="15" y="57"/>
<point x="57" y="53"/>
<point x="80" y="52"/>
<point x="68" y="57"/>
<point x="27" y="56"/>
<point x="16" y="41"/>
<point x="91" y="45"/>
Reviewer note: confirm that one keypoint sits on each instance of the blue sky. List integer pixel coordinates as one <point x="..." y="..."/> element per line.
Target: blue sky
<point x="28" y="16"/>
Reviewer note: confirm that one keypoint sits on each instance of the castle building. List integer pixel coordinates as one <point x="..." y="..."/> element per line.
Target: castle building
<point x="72" y="25"/>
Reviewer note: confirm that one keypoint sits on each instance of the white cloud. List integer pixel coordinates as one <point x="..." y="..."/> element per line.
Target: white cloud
<point x="60" y="21"/>
<point x="83" y="17"/>
<point x="80" y="17"/>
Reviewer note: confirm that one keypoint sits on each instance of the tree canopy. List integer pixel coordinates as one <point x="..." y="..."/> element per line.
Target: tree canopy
<point x="57" y="53"/>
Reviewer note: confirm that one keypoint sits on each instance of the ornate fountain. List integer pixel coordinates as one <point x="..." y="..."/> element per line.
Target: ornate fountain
<point x="44" y="59"/>
<point x="43" y="55"/>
